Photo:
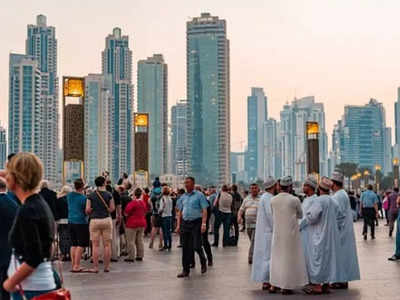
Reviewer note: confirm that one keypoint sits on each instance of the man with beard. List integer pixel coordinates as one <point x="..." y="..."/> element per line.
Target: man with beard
<point x="320" y="236"/>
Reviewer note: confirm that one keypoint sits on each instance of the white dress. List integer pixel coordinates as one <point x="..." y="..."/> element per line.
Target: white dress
<point x="263" y="239"/>
<point x="288" y="267"/>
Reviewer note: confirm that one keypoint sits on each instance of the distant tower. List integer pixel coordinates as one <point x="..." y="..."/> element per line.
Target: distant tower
<point x="3" y="147"/>
<point x="41" y="43"/>
<point x="208" y="99"/>
<point x="117" y="61"/>
<point x="152" y="98"/>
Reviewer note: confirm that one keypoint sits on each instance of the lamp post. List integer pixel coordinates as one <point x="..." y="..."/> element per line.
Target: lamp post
<point x="396" y="171"/>
<point x="312" y="137"/>
<point x="377" y="179"/>
<point x="366" y="177"/>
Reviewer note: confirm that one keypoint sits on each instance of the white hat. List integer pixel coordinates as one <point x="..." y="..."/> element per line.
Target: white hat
<point x="311" y="181"/>
<point x="337" y="176"/>
<point x="325" y="183"/>
<point x="286" y="181"/>
<point x="270" y="182"/>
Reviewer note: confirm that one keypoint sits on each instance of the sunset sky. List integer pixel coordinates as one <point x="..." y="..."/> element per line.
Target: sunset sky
<point x="342" y="51"/>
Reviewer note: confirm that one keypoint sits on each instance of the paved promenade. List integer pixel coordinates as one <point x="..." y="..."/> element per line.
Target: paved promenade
<point x="155" y="277"/>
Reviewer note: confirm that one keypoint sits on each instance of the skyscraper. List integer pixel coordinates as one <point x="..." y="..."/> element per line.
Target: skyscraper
<point x="257" y="114"/>
<point x="293" y="136"/>
<point x="41" y="43"/>
<point x="98" y="125"/>
<point x="208" y="98"/>
<point x="397" y="118"/>
<point x="3" y="147"/>
<point x="180" y="162"/>
<point x="152" y="98"/>
<point x="25" y="105"/>
<point x="272" y="153"/>
<point x="117" y="61"/>
<point x="361" y="135"/>
<point x="387" y="162"/>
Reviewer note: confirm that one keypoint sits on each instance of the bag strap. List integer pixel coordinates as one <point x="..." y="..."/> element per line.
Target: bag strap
<point x="102" y="200"/>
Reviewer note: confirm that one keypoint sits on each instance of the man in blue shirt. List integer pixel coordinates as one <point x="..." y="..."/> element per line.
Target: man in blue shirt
<point x="192" y="218"/>
<point x="8" y="210"/>
<point x="78" y="224"/>
<point x="369" y="210"/>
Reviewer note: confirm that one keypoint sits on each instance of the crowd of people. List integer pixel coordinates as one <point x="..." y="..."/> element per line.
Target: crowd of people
<point x="294" y="242"/>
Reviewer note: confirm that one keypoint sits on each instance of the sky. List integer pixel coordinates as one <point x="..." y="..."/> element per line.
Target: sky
<point x="343" y="52"/>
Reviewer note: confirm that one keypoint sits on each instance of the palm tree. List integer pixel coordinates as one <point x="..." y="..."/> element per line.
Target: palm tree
<point x="348" y="169"/>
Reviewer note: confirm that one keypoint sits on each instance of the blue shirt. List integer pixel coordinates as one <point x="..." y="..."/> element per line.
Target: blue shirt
<point x="76" y="208"/>
<point x="191" y="205"/>
<point x="368" y="199"/>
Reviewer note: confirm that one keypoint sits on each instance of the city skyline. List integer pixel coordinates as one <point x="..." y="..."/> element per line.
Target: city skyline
<point x="360" y="55"/>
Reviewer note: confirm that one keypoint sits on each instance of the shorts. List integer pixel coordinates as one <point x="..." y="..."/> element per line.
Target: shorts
<point x="79" y="234"/>
<point x="156" y="221"/>
<point x="101" y="229"/>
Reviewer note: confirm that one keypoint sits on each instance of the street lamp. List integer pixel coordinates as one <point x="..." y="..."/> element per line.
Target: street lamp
<point x="366" y="176"/>
<point x="377" y="179"/>
<point x="396" y="171"/>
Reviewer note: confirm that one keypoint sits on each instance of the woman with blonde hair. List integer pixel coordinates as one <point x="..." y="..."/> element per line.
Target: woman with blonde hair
<point x="32" y="234"/>
<point x="61" y="216"/>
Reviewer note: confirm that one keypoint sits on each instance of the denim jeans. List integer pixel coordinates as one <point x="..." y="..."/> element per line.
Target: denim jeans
<point x="225" y="219"/>
<point x="166" y="228"/>
<point x="397" y="253"/>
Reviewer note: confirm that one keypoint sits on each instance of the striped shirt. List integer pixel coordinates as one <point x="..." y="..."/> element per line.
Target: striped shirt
<point x="250" y="206"/>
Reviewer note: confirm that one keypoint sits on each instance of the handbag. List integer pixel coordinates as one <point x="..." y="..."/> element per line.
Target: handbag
<point x="58" y="294"/>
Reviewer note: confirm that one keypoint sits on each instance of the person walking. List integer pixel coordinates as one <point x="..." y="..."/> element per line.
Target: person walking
<point x="396" y="255"/>
<point x="99" y="206"/>
<point x="116" y="217"/>
<point x="165" y="212"/>
<point x="393" y="210"/>
<point x="249" y="211"/>
<point x="347" y="260"/>
<point x="237" y="201"/>
<point x="193" y="220"/>
<point x="77" y="224"/>
<point x="263" y="236"/>
<point x="49" y="196"/>
<point x="223" y="204"/>
<point x="135" y="212"/>
<point x="369" y="210"/>
<point x="32" y="233"/>
<point x="385" y="206"/>
<point x="156" y="221"/>
<point x="288" y="270"/>
<point x="320" y="235"/>
<point x="146" y="199"/>
<point x="8" y="210"/>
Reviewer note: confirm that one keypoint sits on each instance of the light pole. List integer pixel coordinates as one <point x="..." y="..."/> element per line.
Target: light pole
<point x="377" y="179"/>
<point x="366" y="176"/>
<point x="396" y="171"/>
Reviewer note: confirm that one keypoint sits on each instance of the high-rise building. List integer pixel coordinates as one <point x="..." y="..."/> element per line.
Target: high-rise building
<point x="397" y="118"/>
<point x="361" y="135"/>
<point x="208" y="98"/>
<point x="152" y="98"/>
<point x="239" y="174"/>
<point x="293" y="137"/>
<point x="25" y="106"/>
<point x="117" y="62"/>
<point x="3" y="147"/>
<point x="257" y="114"/>
<point x="179" y="149"/>
<point x="98" y="125"/>
<point x="41" y="43"/>
<point x="387" y="162"/>
<point x="272" y="154"/>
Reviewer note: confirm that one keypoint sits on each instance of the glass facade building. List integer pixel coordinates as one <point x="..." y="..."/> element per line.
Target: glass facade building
<point x="98" y="125"/>
<point x="178" y="138"/>
<point x="360" y="136"/>
<point x="3" y="147"/>
<point x="117" y="62"/>
<point x="41" y="43"/>
<point x="152" y="98"/>
<point x="208" y="98"/>
<point x="257" y="114"/>
<point x="24" y="108"/>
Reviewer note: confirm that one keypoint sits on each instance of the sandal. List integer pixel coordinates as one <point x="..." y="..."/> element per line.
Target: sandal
<point x="77" y="271"/>
<point x="309" y="290"/>
<point x="106" y="271"/>
<point x="287" y="292"/>
<point x="273" y="289"/>
<point x="339" y="286"/>
<point x="94" y="271"/>
<point x="266" y="286"/>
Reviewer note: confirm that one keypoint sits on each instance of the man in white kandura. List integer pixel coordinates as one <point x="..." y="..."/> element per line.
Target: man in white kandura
<point x="288" y="266"/>
<point x="263" y="236"/>
<point x="347" y="260"/>
<point x="320" y="236"/>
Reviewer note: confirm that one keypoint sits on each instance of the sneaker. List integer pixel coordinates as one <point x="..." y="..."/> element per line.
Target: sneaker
<point x="183" y="274"/>
<point x="394" y="258"/>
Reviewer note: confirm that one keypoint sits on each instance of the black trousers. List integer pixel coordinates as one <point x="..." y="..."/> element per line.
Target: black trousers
<point x="192" y="242"/>
<point x="235" y="226"/>
<point x="3" y="277"/>
<point x="369" y="216"/>
<point x="206" y="246"/>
